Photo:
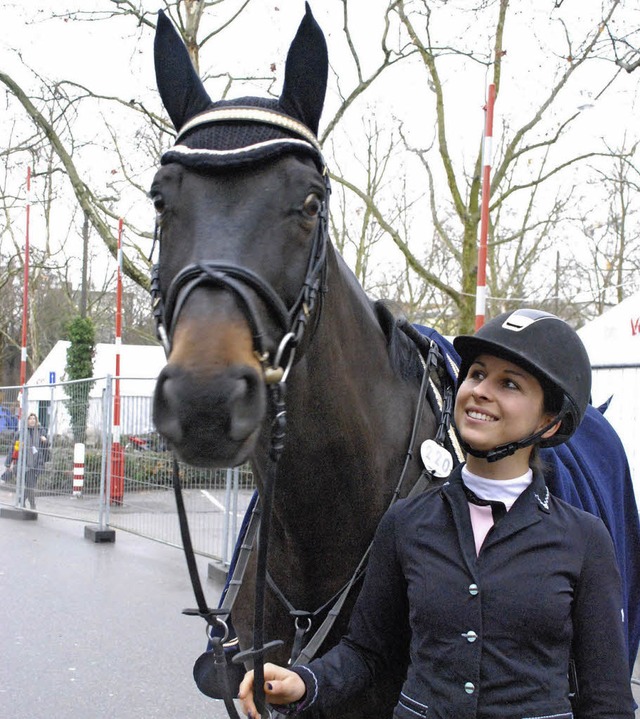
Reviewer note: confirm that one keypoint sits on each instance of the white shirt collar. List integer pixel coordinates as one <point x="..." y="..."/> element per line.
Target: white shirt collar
<point x="497" y="490"/>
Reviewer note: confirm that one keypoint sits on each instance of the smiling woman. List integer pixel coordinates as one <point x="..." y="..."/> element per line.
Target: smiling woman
<point x="523" y="382"/>
<point x="547" y="358"/>
<point x="499" y="403"/>
<point x="507" y="556"/>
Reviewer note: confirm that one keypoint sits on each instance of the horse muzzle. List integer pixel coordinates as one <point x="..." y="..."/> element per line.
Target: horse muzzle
<point x="210" y="421"/>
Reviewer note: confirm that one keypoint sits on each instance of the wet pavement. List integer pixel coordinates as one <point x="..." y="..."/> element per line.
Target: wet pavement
<point x="96" y="630"/>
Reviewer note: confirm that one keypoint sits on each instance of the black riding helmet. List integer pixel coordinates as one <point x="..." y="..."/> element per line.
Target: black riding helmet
<point x="551" y="351"/>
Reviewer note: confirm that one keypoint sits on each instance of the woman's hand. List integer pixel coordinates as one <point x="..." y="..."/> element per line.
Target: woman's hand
<point x="281" y="686"/>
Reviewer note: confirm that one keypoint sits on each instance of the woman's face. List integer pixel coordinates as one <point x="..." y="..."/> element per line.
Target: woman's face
<point x="498" y="402"/>
<point x="32" y="420"/>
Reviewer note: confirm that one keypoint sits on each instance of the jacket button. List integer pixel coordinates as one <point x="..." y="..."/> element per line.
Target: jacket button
<point x="470" y="636"/>
<point x="473" y="589"/>
<point x="469" y="687"/>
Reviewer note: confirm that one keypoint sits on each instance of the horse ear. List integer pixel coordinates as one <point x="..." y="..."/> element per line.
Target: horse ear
<point x="181" y="90"/>
<point x="306" y="71"/>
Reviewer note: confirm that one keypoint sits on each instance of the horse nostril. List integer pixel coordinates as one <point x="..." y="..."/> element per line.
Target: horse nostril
<point x="165" y="414"/>
<point x="246" y="404"/>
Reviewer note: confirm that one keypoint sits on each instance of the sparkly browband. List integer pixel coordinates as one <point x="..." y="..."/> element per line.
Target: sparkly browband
<point x="249" y="114"/>
<point x="200" y="157"/>
<point x="203" y="155"/>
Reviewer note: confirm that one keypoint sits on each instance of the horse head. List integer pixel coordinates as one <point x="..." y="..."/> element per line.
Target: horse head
<point x="241" y="211"/>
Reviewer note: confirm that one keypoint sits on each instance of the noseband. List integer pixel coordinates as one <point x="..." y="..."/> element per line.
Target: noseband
<point x="244" y="284"/>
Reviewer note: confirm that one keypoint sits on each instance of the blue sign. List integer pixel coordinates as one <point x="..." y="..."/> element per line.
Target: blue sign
<point x="52" y="377"/>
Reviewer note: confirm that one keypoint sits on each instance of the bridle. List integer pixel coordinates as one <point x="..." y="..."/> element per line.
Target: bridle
<point x="247" y="286"/>
<point x="291" y="321"/>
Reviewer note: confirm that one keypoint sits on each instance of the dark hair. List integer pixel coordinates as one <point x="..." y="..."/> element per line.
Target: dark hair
<point x="536" y="462"/>
<point x="552" y="404"/>
<point x="553" y="396"/>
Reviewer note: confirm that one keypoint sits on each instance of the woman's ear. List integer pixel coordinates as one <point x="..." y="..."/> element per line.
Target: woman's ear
<point x="550" y="432"/>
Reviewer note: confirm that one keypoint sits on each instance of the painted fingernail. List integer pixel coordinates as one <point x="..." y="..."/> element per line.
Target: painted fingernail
<point x="270" y="686"/>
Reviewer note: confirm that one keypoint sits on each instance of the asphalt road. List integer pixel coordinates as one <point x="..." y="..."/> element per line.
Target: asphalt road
<point x="96" y="630"/>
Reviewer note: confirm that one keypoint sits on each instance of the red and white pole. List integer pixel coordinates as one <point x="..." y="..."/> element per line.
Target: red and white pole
<point x="25" y="289"/>
<point x="116" y="396"/>
<point x="117" y="450"/>
<point x="487" y="149"/>
<point x="78" y="468"/>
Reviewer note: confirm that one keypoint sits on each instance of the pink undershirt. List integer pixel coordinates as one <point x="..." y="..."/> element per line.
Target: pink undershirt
<point x="496" y="490"/>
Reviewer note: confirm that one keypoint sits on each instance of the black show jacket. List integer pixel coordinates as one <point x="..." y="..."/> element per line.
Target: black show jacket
<point x="490" y="634"/>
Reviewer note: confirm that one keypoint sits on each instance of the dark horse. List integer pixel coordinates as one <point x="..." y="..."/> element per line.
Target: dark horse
<point x="251" y="295"/>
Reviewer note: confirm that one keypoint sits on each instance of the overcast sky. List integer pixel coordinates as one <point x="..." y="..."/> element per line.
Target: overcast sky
<point x="115" y="57"/>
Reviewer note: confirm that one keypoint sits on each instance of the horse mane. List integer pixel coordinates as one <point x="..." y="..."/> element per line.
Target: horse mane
<point x="403" y="354"/>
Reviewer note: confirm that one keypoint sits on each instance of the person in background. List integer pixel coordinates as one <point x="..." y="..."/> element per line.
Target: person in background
<point x="506" y="600"/>
<point x="37" y="444"/>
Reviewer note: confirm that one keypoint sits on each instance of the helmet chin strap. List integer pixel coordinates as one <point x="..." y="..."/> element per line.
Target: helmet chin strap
<point x="505" y="450"/>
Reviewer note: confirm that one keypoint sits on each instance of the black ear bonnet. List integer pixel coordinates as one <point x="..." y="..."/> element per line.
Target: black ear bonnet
<point x="247" y="130"/>
<point x="236" y="143"/>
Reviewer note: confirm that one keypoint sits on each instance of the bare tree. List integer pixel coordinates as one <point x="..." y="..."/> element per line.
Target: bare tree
<point x="56" y="113"/>
<point x="416" y="191"/>
<point x="57" y="133"/>
<point x="518" y="232"/>
<point x="625" y="43"/>
<point x="610" y="259"/>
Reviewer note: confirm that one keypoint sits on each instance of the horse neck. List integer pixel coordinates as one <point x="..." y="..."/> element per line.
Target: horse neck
<point x="349" y="418"/>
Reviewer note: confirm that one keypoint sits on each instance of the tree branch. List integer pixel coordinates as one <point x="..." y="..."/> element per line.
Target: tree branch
<point x="86" y="199"/>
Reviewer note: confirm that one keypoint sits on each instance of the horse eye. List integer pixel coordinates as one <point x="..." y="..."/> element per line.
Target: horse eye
<point x="312" y="205"/>
<point x="158" y="203"/>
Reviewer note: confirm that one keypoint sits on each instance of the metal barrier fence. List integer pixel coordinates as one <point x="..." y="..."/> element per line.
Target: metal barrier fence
<point x="77" y="465"/>
<point x="138" y="496"/>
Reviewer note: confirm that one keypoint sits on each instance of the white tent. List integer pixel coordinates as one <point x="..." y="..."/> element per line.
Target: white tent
<point x="613" y="343"/>
<point x="614" y="337"/>
<point x="139" y="368"/>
